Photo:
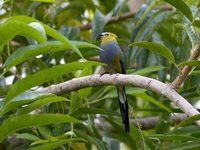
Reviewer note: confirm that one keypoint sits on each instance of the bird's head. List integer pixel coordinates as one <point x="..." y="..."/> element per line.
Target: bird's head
<point x="107" y="37"/>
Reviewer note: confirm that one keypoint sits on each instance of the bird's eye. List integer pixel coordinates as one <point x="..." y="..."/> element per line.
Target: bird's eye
<point x="107" y="34"/>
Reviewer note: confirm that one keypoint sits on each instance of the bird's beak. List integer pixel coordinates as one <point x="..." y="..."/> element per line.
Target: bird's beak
<point x="100" y="34"/>
<point x="99" y="37"/>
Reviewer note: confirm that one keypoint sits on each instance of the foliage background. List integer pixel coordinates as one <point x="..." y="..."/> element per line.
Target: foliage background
<point x="37" y="37"/>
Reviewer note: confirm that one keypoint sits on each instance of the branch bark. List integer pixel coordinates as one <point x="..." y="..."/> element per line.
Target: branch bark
<point x="185" y="71"/>
<point x="128" y="80"/>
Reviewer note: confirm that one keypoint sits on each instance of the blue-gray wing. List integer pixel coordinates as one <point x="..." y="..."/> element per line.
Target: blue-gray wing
<point x="108" y="55"/>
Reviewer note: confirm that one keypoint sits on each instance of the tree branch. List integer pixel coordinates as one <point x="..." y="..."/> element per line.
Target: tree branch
<point x="152" y="122"/>
<point x="119" y="18"/>
<point x="146" y="123"/>
<point x="111" y="20"/>
<point x="125" y="80"/>
<point x="185" y="71"/>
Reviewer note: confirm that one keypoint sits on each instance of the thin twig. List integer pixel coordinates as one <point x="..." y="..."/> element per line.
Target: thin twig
<point x="137" y="124"/>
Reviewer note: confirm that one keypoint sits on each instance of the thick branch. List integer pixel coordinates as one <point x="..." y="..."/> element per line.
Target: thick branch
<point x="185" y="71"/>
<point x="128" y="80"/>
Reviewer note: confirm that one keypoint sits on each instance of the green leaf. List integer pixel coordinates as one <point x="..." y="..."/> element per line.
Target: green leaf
<point x="146" y="30"/>
<point x="27" y="52"/>
<point x="27" y="136"/>
<point x="183" y="7"/>
<point x="30" y="51"/>
<point x="22" y="99"/>
<point x="13" y="27"/>
<point x="100" y="144"/>
<point x="154" y="101"/>
<point x="167" y="33"/>
<point x="194" y="63"/>
<point x="45" y="76"/>
<point x="131" y="138"/>
<point x="190" y="120"/>
<point x="39" y="103"/>
<point x="39" y="27"/>
<point x="187" y="130"/>
<point x="56" y="144"/>
<point x="186" y="146"/>
<point x="14" y="124"/>
<point x="40" y="142"/>
<point x="148" y="70"/>
<point x="50" y="31"/>
<point x="44" y="131"/>
<point x="152" y="5"/>
<point x="81" y="44"/>
<point x="41" y="64"/>
<point x="138" y="93"/>
<point x="196" y="73"/>
<point x="98" y="23"/>
<point x="47" y="1"/>
<point x="173" y="137"/>
<point x="191" y="32"/>
<point x="157" y="48"/>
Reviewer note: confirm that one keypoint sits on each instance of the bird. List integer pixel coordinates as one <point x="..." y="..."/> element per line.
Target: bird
<point x="112" y="55"/>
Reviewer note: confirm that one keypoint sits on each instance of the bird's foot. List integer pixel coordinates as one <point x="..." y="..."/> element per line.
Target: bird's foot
<point x="104" y="73"/>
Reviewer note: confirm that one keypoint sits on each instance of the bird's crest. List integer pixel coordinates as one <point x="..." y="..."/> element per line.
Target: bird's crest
<point x="107" y="37"/>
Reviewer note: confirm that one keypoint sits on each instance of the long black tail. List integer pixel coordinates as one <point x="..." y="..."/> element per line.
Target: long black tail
<point x="123" y="104"/>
